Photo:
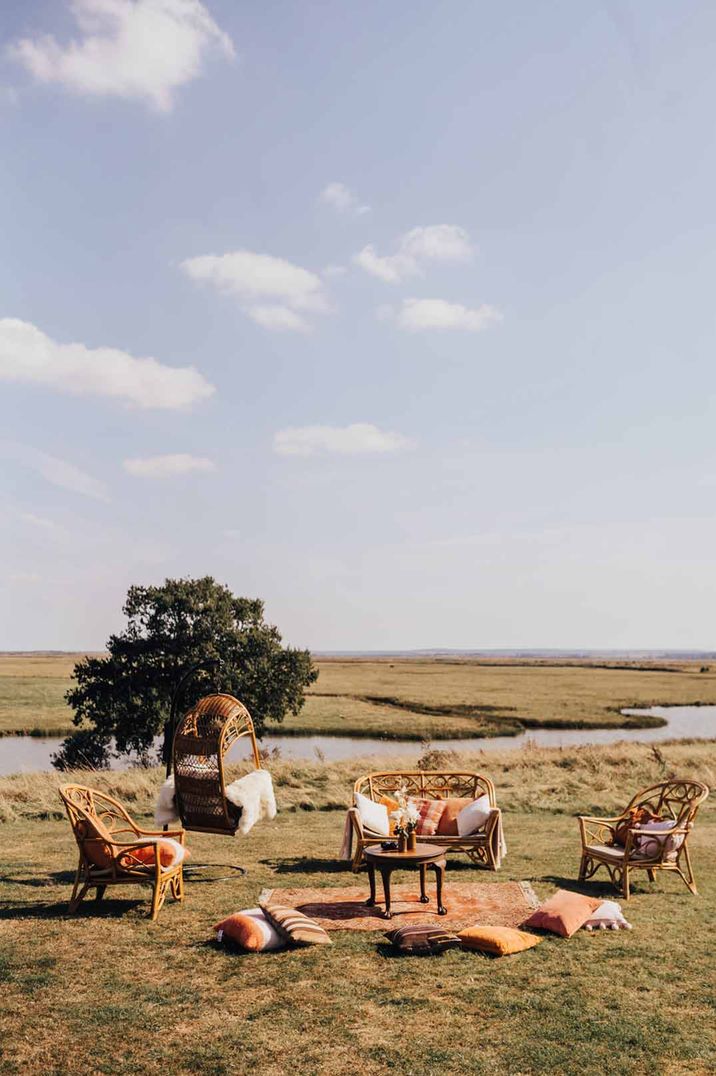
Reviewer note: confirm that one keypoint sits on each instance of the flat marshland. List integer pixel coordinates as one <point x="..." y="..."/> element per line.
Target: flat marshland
<point x="413" y="699"/>
<point x="110" y="992"/>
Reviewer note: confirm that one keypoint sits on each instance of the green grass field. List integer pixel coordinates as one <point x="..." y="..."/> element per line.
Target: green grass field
<point x="410" y="699"/>
<point x="110" y="992"/>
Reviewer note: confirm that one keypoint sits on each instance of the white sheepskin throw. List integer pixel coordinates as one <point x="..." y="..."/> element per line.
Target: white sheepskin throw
<point x="165" y="812"/>
<point x="254" y="795"/>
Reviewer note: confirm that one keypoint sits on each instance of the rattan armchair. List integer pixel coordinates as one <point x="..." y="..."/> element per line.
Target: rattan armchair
<point x="644" y="849"/>
<point x="107" y="837"/>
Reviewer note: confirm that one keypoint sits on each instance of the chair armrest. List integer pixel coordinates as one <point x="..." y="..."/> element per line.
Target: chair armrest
<point x="177" y="834"/>
<point x="356" y="820"/>
<point x="597" y="830"/>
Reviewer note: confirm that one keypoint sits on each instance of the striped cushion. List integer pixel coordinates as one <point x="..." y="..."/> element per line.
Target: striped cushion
<point x="430" y="815"/>
<point x="424" y="939"/>
<point x="294" y="926"/>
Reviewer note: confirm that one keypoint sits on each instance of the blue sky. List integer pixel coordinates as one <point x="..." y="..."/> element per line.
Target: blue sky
<point x="428" y="290"/>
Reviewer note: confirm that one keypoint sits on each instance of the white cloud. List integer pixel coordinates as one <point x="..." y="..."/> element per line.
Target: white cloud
<point x="56" y="471"/>
<point x="138" y="49"/>
<point x="416" y="315"/>
<point x="272" y="291"/>
<point x="342" y="199"/>
<point x="29" y="356"/>
<point x="358" y="439"/>
<point x="40" y="522"/>
<point x="167" y="466"/>
<point x="432" y="243"/>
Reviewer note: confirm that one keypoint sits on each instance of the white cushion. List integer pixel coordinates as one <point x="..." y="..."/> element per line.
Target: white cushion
<point x="178" y="849"/>
<point x="374" y="816"/>
<point x="608" y="916"/>
<point x="271" y="937"/>
<point x="474" y="816"/>
<point x="652" y="847"/>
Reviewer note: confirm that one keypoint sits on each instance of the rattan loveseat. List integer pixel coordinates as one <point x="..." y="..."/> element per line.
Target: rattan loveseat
<point x="484" y="847"/>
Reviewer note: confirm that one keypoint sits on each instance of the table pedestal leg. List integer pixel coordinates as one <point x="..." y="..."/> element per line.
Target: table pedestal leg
<point x="385" y="874"/>
<point x="424" y="898"/>
<point x="371" y="878"/>
<point x="439" y="869"/>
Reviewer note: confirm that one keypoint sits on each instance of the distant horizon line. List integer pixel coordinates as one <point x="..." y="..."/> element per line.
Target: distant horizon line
<point x="535" y="652"/>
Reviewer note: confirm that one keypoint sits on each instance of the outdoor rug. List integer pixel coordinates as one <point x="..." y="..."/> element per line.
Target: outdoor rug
<point x="495" y="904"/>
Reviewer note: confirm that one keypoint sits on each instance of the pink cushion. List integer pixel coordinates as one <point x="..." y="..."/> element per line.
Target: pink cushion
<point x="564" y="913"/>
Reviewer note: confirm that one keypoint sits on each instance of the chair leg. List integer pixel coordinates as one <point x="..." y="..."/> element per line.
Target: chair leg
<point x="689" y="876"/>
<point x="625" y="883"/>
<point x="101" y="889"/>
<point x="78" y="894"/>
<point x="651" y="874"/>
<point x="358" y="856"/>
<point x="583" y="867"/>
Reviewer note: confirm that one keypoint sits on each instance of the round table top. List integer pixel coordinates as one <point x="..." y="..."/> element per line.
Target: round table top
<point x="424" y="853"/>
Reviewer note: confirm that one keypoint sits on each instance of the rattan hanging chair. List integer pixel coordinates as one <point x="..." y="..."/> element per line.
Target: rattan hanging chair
<point x="201" y="741"/>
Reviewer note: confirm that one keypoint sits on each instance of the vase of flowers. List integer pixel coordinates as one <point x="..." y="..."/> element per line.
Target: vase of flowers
<point x="405" y="818"/>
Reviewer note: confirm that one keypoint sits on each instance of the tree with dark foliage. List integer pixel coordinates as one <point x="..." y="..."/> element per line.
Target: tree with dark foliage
<point x="126" y="696"/>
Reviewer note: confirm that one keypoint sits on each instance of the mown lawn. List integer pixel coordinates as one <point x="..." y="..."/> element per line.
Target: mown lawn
<point x="110" y="992"/>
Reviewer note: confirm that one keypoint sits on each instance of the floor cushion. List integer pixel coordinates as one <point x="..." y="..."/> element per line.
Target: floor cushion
<point x="608" y="916"/>
<point x="295" y="927"/>
<point x="422" y="939"/>
<point x="564" y="913"/>
<point x="499" y="941"/>
<point x="250" y="930"/>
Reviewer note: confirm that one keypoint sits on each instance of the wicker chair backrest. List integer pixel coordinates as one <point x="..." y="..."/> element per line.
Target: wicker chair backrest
<point x="203" y="737"/>
<point x="427" y="784"/>
<point x="674" y="799"/>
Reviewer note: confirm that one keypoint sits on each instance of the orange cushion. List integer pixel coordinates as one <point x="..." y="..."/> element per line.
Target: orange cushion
<point x="499" y="941"/>
<point x="251" y="930"/>
<point x="564" y="913"/>
<point x="95" y="834"/>
<point x="391" y="805"/>
<point x="145" y="855"/>
<point x="447" y="826"/>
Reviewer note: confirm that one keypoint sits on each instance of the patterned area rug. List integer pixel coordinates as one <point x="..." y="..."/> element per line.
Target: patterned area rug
<point x="503" y="904"/>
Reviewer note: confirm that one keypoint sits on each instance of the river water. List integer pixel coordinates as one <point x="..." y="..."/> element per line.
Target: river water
<point x="26" y="753"/>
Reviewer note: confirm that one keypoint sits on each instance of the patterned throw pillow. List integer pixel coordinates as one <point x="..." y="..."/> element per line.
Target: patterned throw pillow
<point x="498" y="941"/>
<point x="251" y="930"/>
<point x="430" y="814"/>
<point x="294" y="926"/>
<point x="423" y="939"/>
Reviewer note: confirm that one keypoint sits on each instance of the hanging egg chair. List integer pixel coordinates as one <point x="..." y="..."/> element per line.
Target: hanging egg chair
<point x="202" y="739"/>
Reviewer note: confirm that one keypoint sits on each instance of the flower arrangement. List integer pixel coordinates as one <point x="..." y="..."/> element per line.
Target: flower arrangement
<point x="406" y="816"/>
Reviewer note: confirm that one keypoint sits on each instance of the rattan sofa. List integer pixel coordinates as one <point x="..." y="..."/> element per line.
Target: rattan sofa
<point x="484" y="847"/>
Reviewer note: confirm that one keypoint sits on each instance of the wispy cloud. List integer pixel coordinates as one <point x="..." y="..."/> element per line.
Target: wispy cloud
<point x="272" y="291"/>
<point x="360" y="438"/>
<point x="54" y="470"/>
<point x="179" y="463"/>
<point x="140" y="49"/>
<point x="342" y="199"/>
<point x="418" y="247"/>
<point x="28" y="355"/>
<point x="418" y="315"/>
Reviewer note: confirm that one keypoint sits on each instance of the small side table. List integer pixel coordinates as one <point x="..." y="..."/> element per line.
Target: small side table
<point x="424" y="856"/>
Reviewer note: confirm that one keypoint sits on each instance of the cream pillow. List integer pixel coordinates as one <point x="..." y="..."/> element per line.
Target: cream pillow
<point x="474" y="816"/>
<point x="652" y="847"/>
<point x="374" y="816"/>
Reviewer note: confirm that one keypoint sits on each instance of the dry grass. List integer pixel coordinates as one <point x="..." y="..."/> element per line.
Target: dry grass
<point x="110" y="992"/>
<point x="410" y="699"/>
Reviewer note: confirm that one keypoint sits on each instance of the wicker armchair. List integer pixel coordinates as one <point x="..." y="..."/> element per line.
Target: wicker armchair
<point x="485" y="847"/>
<point x="644" y="849"/>
<point x="107" y="837"/>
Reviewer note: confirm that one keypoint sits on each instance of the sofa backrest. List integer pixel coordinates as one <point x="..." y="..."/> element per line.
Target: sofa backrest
<point x="427" y="785"/>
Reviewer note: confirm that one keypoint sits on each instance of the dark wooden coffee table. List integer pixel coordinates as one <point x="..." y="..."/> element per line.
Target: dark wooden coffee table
<point x="424" y="856"/>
